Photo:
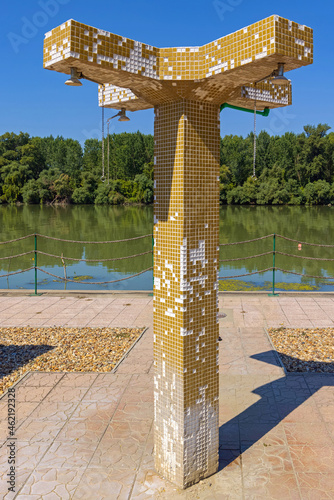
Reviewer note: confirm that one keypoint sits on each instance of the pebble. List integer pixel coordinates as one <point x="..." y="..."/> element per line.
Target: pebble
<point x="61" y="349"/>
<point x="305" y="349"/>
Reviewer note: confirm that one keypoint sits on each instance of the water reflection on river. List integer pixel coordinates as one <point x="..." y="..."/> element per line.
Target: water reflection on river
<point x="94" y="223"/>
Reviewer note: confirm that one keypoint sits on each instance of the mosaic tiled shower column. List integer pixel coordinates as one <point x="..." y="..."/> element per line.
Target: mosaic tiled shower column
<point x="186" y="86"/>
<point x="186" y="239"/>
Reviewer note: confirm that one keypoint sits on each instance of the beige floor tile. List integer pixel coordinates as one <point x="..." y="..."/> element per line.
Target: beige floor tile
<point x="315" y="486"/>
<point x="105" y="483"/>
<point x="51" y="483"/>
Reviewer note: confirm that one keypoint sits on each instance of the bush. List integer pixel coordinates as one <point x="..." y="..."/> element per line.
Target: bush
<point x="116" y="199"/>
<point x="30" y="192"/>
<point x="102" y="194"/>
<point x="148" y="196"/>
<point x="10" y="193"/>
<point x="268" y="192"/>
<point x="143" y="190"/>
<point x="223" y="191"/>
<point x="238" y="195"/>
<point x="318" y="193"/>
<point x="81" y="195"/>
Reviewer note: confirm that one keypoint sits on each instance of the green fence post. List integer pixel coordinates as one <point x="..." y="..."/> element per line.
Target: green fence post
<point x="35" y="264"/>
<point x="273" y="294"/>
<point x="35" y="267"/>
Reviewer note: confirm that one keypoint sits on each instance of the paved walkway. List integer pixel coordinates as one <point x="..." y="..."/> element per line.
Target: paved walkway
<point x="89" y="436"/>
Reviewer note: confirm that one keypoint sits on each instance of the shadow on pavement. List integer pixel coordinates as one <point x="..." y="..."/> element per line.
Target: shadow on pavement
<point x="277" y="400"/>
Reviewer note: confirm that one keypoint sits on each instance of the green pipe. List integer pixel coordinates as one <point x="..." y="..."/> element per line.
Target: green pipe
<point x="265" y="112"/>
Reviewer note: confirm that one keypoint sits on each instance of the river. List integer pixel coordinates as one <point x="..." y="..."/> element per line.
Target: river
<point x="99" y="223"/>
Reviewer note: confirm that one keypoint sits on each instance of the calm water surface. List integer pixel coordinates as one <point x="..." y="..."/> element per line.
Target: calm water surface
<point x="305" y="224"/>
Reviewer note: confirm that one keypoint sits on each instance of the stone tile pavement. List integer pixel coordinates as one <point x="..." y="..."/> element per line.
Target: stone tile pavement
<point x="90" y="436"/>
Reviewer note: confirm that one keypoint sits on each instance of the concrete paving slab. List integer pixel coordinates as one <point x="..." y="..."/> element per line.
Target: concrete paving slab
<point x="89" y="435"/>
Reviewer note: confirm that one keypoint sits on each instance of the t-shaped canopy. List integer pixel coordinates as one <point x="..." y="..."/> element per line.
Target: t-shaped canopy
<point x="135" y="75"/>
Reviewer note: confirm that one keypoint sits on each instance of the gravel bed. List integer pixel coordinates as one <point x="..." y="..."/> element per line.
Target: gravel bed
<point x="60" y="349"/>
<point x="305" y="349"/>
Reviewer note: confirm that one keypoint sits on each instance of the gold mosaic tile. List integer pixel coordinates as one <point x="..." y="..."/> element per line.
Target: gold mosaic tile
<point x="186" y="86"/>
<point x="135" y="75"/>
<point x="185" y="290"/>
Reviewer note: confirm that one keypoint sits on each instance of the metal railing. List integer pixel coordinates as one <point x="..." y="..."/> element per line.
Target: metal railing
<point x="63" y="258"/>
<point x="274" y="252"/>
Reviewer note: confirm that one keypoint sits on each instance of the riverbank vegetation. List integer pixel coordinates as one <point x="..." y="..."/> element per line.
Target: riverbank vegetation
<point x="291" y="169"/>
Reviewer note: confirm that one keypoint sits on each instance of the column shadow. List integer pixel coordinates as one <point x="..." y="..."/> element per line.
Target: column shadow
<point x="277" y="400"/>
<point x="13" y="356"/>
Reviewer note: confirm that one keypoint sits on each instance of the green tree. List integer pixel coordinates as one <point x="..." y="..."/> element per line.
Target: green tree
<point x="318" y="193"/>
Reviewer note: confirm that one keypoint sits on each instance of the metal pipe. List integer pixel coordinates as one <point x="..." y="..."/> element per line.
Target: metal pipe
<point x="265" y="112"/>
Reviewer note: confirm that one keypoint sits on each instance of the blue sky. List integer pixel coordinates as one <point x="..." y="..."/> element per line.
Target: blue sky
<point x="36" y="101"/>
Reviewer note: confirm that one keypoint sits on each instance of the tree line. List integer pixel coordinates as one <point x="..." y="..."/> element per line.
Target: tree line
<point x="291" y="169"/>
<point x="52" y="170"/>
